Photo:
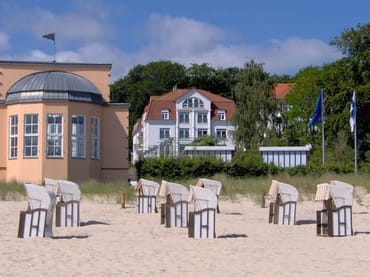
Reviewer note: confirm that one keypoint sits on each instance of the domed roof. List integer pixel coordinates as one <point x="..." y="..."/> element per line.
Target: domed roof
<point x="55" y="86"/>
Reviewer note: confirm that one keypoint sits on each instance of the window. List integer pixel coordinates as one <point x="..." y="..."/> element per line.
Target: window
<point x="31" y="129"/>
<point x="202" y="132"/>
<point x="221" y="115"/>
<point x="78" y="136"/>
<point x="193" y="102"/>
<point x="13" y="137"/>
<point x="55" y="135"/>
<point x="184" y="133"/>
<point x="165" y="114"/>
<point x="202" y="118"/>
<point x="221" y="133"/>
<point x="184" y="117"/>
<point x="164" y="133"/>
<point x="95" y="138"/>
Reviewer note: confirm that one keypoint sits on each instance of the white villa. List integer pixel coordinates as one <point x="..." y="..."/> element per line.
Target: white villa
<point x="171" y="121"/>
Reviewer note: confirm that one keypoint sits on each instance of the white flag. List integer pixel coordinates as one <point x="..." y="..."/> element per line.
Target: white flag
<point x="352" y="112"/>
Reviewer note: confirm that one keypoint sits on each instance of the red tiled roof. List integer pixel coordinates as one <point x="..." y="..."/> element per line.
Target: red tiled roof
<point x="282" y="89"/>
<point x="168" y="101"/>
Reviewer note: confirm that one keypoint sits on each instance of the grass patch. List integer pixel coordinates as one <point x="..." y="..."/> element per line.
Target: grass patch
<point x="252" y="187"/>
<point x="9" y="191"/>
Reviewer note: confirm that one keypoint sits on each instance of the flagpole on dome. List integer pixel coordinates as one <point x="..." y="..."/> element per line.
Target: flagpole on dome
<point x="51" y="36"/>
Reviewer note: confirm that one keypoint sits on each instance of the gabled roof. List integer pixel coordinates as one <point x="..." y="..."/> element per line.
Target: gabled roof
<point x="282" y="89"/>
<point x="168" y="101"/>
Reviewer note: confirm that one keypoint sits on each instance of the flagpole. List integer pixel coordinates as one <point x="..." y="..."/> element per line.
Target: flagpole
<point x="354" y="104"/>
<point x="54" y="51"/>
<point x="322" y="129"/>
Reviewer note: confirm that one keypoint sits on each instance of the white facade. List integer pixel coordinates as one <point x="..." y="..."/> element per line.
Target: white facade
<point x="285" y="156"/>
<point x="167" y="126"/>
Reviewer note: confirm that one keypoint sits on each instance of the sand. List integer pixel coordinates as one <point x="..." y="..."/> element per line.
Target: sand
<point x="119" y="242"/>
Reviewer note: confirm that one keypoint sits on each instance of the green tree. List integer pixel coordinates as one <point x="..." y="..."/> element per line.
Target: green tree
<point x="144" y="81"/>
<point x="255" y="104"/>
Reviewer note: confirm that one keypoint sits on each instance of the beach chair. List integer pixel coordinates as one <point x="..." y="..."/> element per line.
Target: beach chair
<point x="68" y="209"/>
<point x="147" y="195"/>
<point x="283" y="203"/>
<point x="37" y="220"/>
<point x="202" y="221"/>
<point x="212" y="185"/>
<point x="335" y="218"/>
<point x="53" y="185"/>
<point x="174" y="213"/>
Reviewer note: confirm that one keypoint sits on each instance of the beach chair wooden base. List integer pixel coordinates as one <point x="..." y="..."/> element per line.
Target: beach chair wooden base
<point x="334" y="222"/>
<point x="202" y="224"/>
<point x="282" y="213"/>
<point x="146" y="204"/>
<point x="32" y="223"/>
<point x="163" y="213"/>
<point x="67" y="214"/>
<point x="177" y="214"/>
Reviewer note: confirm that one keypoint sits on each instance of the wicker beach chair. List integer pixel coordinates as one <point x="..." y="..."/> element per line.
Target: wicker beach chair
<point x="212" y="185"/>
<point x="147" y="192"/>
<point x="174" y="213"/>
<point x="68" y="209"/>
<point x="283" y="203"/>
<point x="202" y="221"/>
<point x="37" y="220"/>
<point x="335" y="218"/>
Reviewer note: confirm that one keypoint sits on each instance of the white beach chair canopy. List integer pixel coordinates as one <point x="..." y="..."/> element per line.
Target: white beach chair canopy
<point x="69" y="190"/>
<point x="38" y="196"/>
<point x="147" y="187"/>
<point x="340" y="192"/>
<point x="210" y="184"/>
<point x="178" y="192"/>
<point x="287" y="192"/>
<point x="52" y="184"/>
<point x="203" y="198"/>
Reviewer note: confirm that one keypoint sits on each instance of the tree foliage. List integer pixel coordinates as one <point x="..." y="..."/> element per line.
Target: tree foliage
<point x="255" y="103"/>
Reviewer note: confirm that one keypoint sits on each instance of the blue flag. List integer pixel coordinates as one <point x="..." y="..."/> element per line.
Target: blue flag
<point x="352" y="112"/>
<point x="317" y="114"/>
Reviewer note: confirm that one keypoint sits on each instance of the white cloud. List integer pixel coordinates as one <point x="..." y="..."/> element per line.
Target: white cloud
<point x="74" y="26"/>
<point x="84" y="37"/>
<point x="4" y="41"/>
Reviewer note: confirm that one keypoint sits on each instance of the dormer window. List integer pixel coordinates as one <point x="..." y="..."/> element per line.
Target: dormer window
<point x="221" y="115"/>
<point x="193" y="102"/>
<point x="165" y="114"/>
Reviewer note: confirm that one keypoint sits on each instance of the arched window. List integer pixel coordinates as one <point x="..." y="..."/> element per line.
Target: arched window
<point x="193" y="102"/>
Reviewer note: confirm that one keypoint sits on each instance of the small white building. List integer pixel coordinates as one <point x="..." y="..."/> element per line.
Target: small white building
<point x="285" y="156"/>
<point x="173" y="120"/>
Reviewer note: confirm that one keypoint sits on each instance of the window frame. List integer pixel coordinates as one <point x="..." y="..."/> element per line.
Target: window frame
<point x="164" y="133"/>
<point x="202" y="117"/>
<point x="54" y="136"/>
<point x="184" y="133"/>
<point x="78" y="139"/>
<point x="223" y="133"/>
<point x="95" y="138"/>
<point x="13" y="137"/>
<point x="165" y="114"/>
<point x="184" y="117"/>
<point x="221" y="115"/>
<point x="31" y="136"/>
<point x="201" y="132"/>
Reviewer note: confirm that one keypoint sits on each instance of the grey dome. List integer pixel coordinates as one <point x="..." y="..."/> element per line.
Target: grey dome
<point x="53" y="86"/>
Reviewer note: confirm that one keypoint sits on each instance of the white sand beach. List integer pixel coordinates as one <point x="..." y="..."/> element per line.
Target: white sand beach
<point x="119" y="242"/>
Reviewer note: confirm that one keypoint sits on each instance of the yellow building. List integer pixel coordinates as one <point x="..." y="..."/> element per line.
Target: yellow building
<point x="56" y="121"/>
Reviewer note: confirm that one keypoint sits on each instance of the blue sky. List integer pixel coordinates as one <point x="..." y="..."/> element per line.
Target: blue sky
<point x="284" y="35"/>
